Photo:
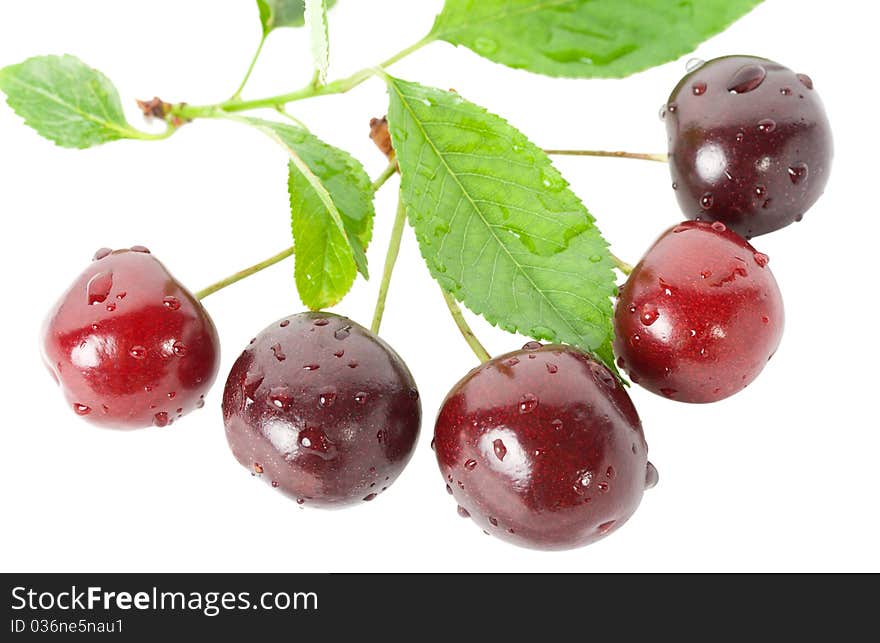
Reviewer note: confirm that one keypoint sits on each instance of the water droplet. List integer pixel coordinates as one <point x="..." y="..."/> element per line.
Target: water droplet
<point x="605" y="527"/>
<point x="707" y="200"/>
<point x="528" y="403"/>
<point x="172" y="395"/>
<point x="201" y="403"/>
<point x="138" y="352"/>
<point x="317" y="442"/>
<point x="180" y="349"/>
<point x="499" y="449"/>
<point x="100" y="253"/>
<point x="142" y="249"/>
<point x="121" y="295"/>
<point x="353" y="364"/>
<point x="531" y="346"/>
<point x="766" y="125"/>
<point x="649" y="315"/>
<point x="326" y="399"/>
<point x="81" y="409"/>
<point x="662" y="113"/>
<point x="704" y="274"/>
<point x="171" y="303"/>
<point x="585" y="479"/>
<point x="258" y="468"/>
<point x="785" y="91"/>
<point x="111" y="308"/>
<point x="300" y="501"/>
<point x="321" y="322"/>
<point x="595" y="259"/>
<point x="360" y="397"/>
<point x="449" y="490"/>
<point x="717" y="226"/>
<point x="740" y="136"/>
<point x="798" y="172"/>
<point x="369" y="497"/>
<point x="760" y="191"/>
<point x="672" y="108"/>
<point x="275" y="484"/>
<point x="470" y="465"/>
<point x="603" y="487"/>
<point x="161" y="419"/>
<point x="747" y="79"/>
<point x="433" y="444"/>
<point x="339" y="353"/>
<point x="806" y="81"/>
<point x="98" y="288"/>
<point x="674" y="185"/>
<point x="694" y="64"/>
<point x="311" y="367"/>
<point x="610" y="473"/>
<point x="765" y="319"/>
<point x="513" y="361"/>
<point x="556" y="424"/>
<point x="668" y="392"/>
<point x="464" y="513"/>
<point x="493" y="521"/>
<point x="761" y="259"/>
<point x="552" y="368"/>
<point x="280" y="397"/>
<point x="652" y="476"/>
<point x="279" y="354"/>
<point x="342" y="333"/>
<point x="699" y="88"/>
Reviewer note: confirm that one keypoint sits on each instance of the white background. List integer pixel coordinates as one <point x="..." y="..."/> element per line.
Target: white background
<point x="782" y="477"/>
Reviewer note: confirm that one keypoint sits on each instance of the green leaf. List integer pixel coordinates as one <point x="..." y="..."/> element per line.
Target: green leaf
<point x="497" y="224"/>
<point x="584" y="38"/>
<point x="316" y="18"/>
<point x="67" y="102"/>
<point x="331" y="202"/>
<point x="283" y="13"/>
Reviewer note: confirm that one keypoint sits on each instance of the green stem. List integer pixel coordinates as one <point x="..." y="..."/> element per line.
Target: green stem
<point x="390" y="261"/>
<point x="621" y="265"/>
<point x="659" y="158"/>
<point x="242" y="274"/>
<point x="309" y="91"/>
<point x="387" y="173"/>
<point x="465" y="330"/>
<point x="250" y="69"/>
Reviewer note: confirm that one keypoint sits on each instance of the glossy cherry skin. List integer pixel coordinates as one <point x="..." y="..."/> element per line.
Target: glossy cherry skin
<point x="699" y="316"/>
<point x="749" y="144"/>
<point x="322" y="409"/>
<point x="543" y="448"/>
<point x="129" y="345"/>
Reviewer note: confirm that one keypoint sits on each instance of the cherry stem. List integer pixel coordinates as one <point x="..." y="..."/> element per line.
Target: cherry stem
<point x="250" y="68"/>
<point x="621" y="265"/>
<point x="465" y="330"/>
<point x="387" y="173"/>
<point x="659" y="158"/>
<point x="390" y="261"/>
<point x="242" y="274"/>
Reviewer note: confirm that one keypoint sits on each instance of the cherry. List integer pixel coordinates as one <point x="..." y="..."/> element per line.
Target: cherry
<point x="322" y="409"/>
<point x="129" y="345"/>
<point x="749" y="144"/>
<point x="543" y="448"/>
<point x="699" y="316"/>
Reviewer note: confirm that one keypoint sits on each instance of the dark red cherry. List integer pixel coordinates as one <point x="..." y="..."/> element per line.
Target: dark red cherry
<point x="322" y="409"/>
<point x="129" y="345"/>
<point x="699" y="316"/>
<point x="749" y="144"/>
<point x="543" y="448"/>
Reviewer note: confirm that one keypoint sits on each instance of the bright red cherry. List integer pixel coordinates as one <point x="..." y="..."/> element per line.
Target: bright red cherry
<point x="322" y="409"/>
<point x="749" y="144"/>
<point x="699" y="316"/>
<point x="543" y="448"/>
<point x="129" y="345"/>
